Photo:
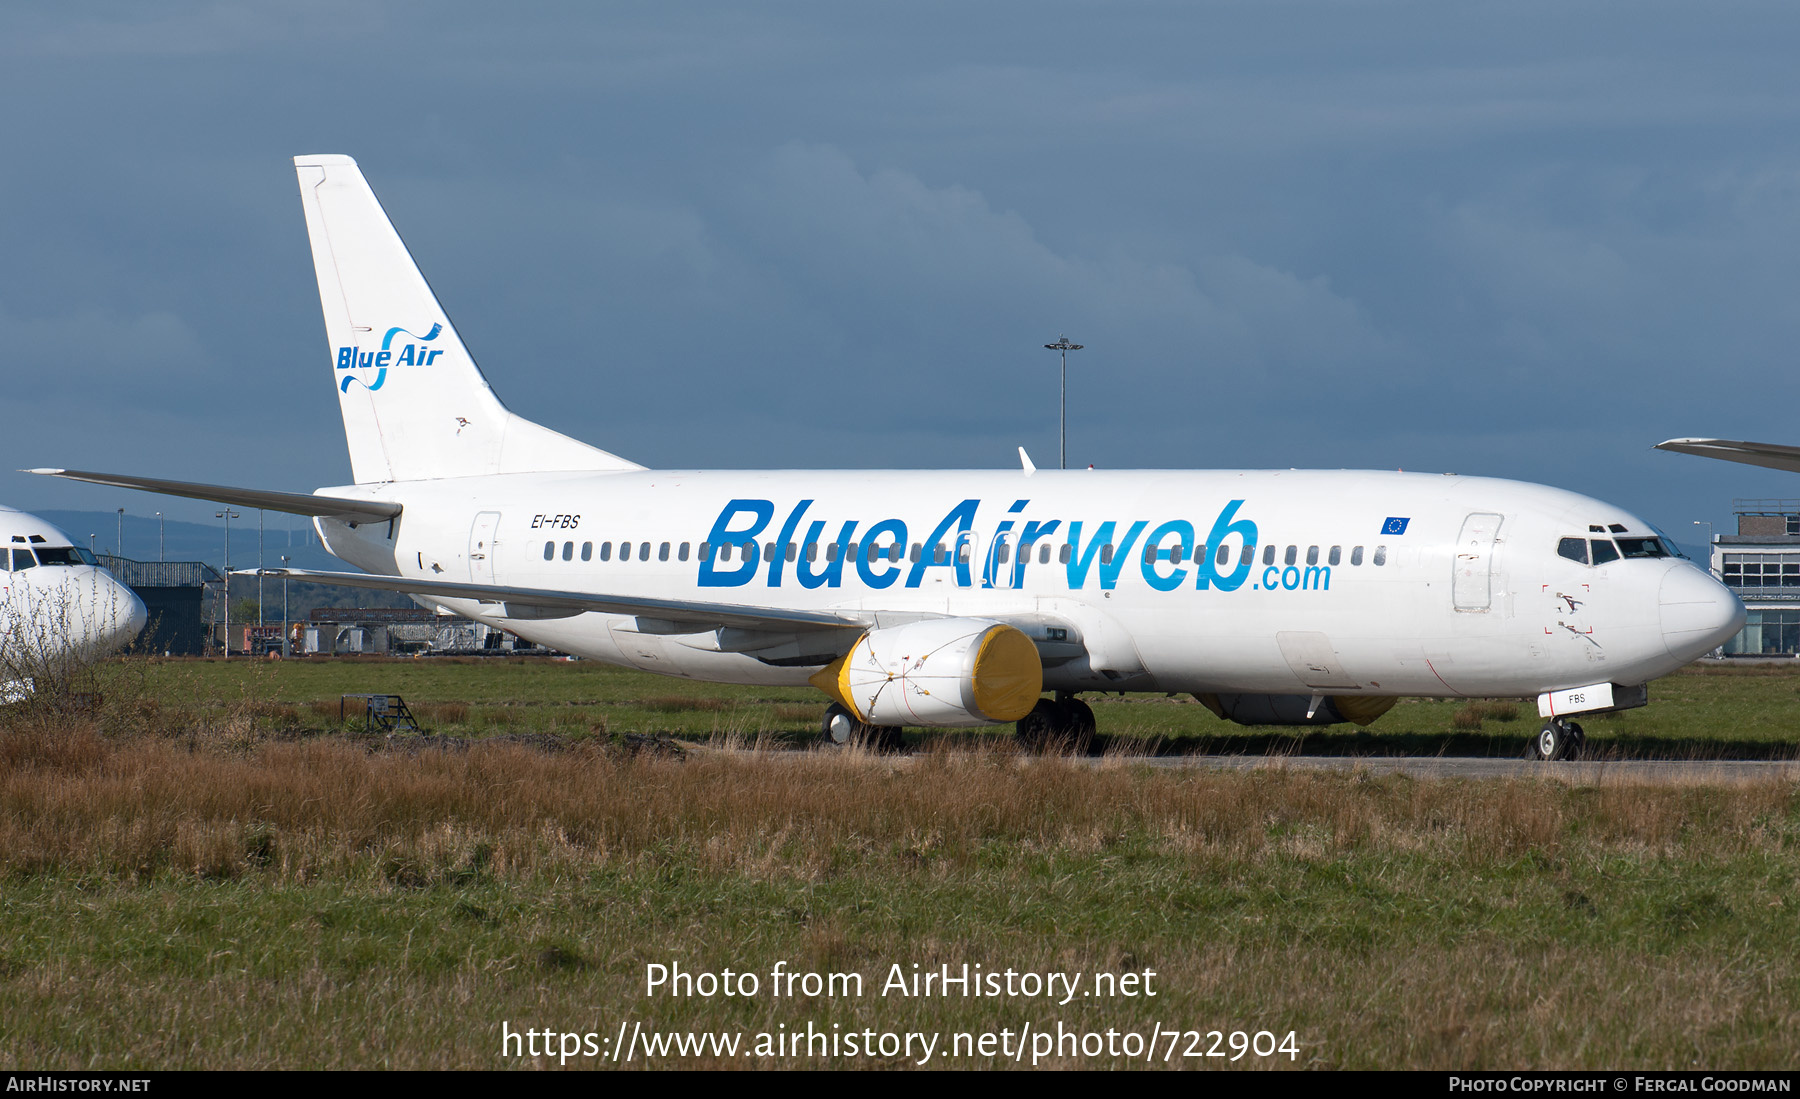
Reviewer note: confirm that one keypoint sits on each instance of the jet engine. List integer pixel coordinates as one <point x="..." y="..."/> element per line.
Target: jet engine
<point x="942" y="672"/>
<point x="1247" y="709"/>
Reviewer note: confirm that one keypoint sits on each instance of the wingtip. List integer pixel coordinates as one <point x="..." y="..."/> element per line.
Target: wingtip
<point x="45" y="471"/>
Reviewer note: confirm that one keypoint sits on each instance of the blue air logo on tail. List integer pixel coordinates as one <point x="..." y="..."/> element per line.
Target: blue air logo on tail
<point x="349" y="358"/>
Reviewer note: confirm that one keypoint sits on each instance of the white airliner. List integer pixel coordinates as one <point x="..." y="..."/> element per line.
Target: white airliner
<point x="56" y="604"/>
<point x="950" y="598"/>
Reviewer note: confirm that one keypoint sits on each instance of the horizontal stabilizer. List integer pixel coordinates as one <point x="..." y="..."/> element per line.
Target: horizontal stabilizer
<point x="702" y="616"/>
<point x="1767" y="455"/>
<point x="294" y="503"/>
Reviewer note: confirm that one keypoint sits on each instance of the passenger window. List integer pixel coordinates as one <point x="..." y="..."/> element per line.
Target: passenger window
<point x="682" y="553"/>
<point x="791" y="551"/>
<point x="1152" y="553"/>
<point x="918" y="550"/>
<point x="939" y="554"/>
<point x="1604" y="551"/>
<point x="1575" y="549"/>
<point x="1044" y="554"/>
<point x="1224" y="554"/>
<point x="1200" y="554"/>
<point x="1292" y="556"/>
<point x="644" y="551"/>
<point x="1106" y="554"/>
<point x="587" y="551"/>
<point x="549" y="551"/>
<point x="1380" y="555"/>
<point x="769" y="551"/>
<point x="831" y="551"/>
<point x="568" y="551"/>
<point x="1062" y="555"/>
<point x="1356" y="556"/>
<point x="1312" y="555"/>
<point x="705" y="551"/>
<point x="812" y="551"/>
<point x="724" y="551"/>
<point x="662" y="552"/>
<point x="1268" y="555"/>
<point x="850" y="552"/>
<point x="749" y="549"/>
<point x="1248" y="555"/>
<point x="1337" y="554"/>
<point x="962" y="553"/>
<point x="606" y="551"/>
<point x="1003" y="554"/>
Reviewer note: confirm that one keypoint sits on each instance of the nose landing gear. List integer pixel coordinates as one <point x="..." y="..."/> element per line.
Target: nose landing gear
<point x="1558" y="739"/>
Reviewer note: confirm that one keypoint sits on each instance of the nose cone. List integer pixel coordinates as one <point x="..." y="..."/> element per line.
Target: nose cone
<point x="1698" y="613"/>
<point x="128" y="615"/>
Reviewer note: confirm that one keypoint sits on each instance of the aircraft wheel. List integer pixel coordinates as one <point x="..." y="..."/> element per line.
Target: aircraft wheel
<point x="1558" y="739"/>
<point x="1081" y="717"/>
<point x="1042" y="727"/>
<point x="840" y="729"/>
<point x="1549" y="743"/>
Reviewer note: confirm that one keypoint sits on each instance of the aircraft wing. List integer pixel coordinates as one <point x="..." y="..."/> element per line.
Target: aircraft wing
<point x="1768" y="455"/>
<point x="295" y="503"/>
<point x="539" y="603"/>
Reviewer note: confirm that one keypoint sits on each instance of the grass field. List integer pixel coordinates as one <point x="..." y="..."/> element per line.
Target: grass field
<point x="1707" y="711"/>
<point x="201" y="872"/>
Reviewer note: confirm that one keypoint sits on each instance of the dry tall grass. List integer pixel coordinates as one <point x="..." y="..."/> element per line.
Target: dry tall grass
<point x="73" y="800"/>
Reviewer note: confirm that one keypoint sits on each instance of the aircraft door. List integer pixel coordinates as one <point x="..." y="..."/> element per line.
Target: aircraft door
<point x="1471" y="579"/>
<point x="1001" y="570"/>
<point x="964" y="555"/>
<point x="481" y="547"/>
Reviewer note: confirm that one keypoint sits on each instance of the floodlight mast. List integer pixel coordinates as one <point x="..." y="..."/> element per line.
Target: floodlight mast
<point x="1063" y="345"/>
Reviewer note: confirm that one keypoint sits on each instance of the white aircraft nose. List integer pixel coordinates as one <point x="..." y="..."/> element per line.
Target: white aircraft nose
<point x="130" y="614"/>
<point x="1698" y="613"/>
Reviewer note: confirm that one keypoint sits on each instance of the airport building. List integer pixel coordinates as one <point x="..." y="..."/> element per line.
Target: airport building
<point x="1761" y="563"/>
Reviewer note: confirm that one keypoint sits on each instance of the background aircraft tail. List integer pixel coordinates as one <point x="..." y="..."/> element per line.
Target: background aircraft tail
<point x="415" y="404"/>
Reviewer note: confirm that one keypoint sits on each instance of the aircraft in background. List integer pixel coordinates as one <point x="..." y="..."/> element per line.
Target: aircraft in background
<point x="1767" y="455"/>
<point x="958" y="598"/>
<point x="57" y="605"/>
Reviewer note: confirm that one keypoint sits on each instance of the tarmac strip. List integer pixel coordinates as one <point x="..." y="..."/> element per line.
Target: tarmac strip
<point x="1710" y="772"/>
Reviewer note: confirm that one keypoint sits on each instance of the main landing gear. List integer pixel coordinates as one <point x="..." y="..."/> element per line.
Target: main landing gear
<point x="840" y="729"/>
<point x="1558" y="739"/>
<point x="1065" y="724"/>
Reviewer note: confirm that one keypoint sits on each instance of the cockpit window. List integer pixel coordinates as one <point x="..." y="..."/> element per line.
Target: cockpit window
<point x="1575" y="549"/>
<point x="22" y="559"/>
<point x="1604" y="551"/>
<point x="1642" y="547"/>
<point x="1616" y="528"/>
<point x="86" y="557"/>
<point x="58" y="555"/>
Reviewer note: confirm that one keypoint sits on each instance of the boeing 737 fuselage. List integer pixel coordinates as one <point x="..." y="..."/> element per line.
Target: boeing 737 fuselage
<point x="952" y="598"/>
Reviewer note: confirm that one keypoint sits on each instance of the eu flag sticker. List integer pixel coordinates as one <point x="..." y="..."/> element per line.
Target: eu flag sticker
<point x="1395" y="525"/>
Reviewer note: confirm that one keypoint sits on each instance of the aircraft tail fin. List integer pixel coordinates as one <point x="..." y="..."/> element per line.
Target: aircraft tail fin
<point x="415" y="405"/>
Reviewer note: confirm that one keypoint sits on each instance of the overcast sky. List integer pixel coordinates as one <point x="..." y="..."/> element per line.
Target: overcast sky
<point x="1526" y="240"/>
